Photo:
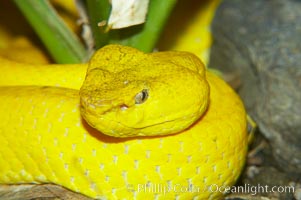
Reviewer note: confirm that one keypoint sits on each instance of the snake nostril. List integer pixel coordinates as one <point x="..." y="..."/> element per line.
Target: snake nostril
<point x="123" y="107"/>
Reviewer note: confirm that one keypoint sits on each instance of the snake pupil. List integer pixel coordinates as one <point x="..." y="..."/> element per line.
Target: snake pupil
<point x="141" y="96"/>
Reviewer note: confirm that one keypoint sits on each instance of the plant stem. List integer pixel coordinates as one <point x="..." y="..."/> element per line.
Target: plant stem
<point x="99" y="11"/>
<point x="61" y="42"/>
<point x="145" y="36"/>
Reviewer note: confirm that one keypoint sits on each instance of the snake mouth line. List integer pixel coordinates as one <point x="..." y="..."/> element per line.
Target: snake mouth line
<point x="101" y="119"/>
<point x="137" y="128"/>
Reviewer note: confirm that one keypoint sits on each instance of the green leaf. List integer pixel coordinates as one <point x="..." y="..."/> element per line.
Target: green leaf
<point x="61" y="42"/>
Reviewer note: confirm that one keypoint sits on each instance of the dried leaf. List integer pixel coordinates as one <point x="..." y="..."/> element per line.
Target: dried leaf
<point x="127" y="13"/>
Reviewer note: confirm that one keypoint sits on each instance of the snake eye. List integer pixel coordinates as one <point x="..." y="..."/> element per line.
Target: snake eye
<point x="141" y="96"/>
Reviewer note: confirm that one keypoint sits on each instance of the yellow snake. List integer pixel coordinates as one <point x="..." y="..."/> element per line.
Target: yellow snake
<point x="44" y="139"/>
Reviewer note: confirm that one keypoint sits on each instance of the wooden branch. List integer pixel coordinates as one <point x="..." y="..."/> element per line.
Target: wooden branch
<point x="38" y="192"/>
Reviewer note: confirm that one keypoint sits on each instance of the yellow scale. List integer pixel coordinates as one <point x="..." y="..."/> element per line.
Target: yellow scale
<point x="45" y="139"/>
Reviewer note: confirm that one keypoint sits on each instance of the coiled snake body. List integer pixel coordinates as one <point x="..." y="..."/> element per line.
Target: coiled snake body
<point x="200" y="120"/>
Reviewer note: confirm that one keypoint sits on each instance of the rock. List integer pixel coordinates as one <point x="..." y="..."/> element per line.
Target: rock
<point x="261" y="41"/>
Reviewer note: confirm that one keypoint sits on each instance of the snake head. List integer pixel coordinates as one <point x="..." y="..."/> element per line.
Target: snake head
<point x="128" y="93"/>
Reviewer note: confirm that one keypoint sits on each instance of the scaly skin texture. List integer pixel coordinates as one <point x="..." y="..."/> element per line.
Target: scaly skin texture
<point x="118" y="75"/>
<point x="45" y="139"/>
